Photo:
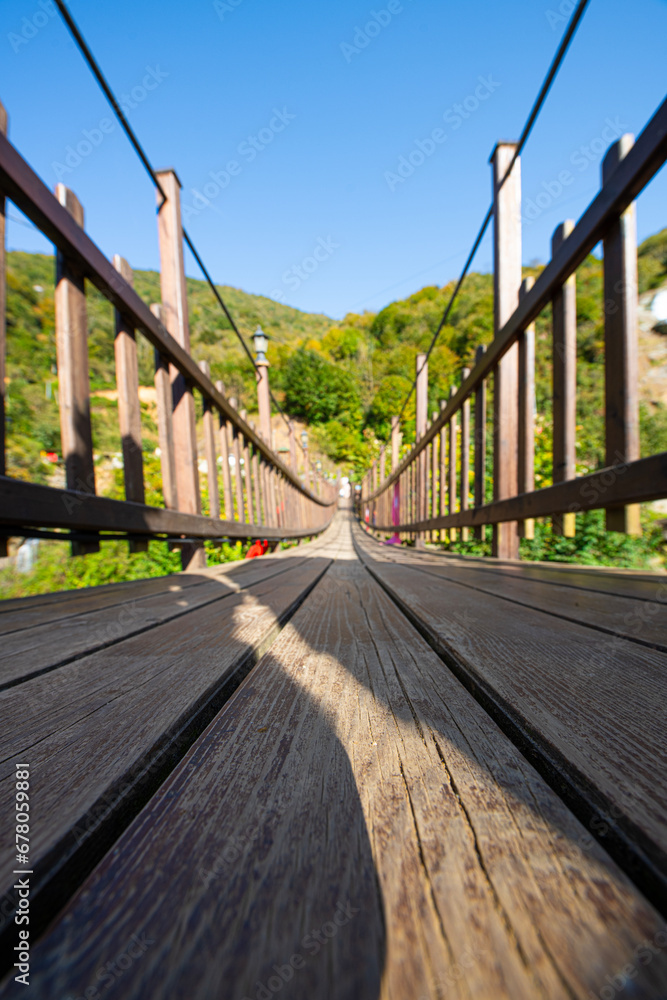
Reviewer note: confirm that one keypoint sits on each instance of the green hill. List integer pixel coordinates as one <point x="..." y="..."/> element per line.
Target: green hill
<point x="344" y="379"/>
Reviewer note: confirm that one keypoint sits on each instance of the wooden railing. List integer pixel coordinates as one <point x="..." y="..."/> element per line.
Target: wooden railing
<point x="430" y="489"/>
<point x="268" y="500"/>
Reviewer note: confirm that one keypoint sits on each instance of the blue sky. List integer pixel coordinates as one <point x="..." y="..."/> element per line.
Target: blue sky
<point x="313" y="105"/>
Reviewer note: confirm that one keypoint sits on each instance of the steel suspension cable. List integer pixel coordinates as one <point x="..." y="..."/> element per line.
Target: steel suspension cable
<point x="527" y="129"/>
<point x="131" y="135"/>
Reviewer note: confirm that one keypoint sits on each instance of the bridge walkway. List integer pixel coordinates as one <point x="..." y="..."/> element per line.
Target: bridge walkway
<point x="351" y="771"/>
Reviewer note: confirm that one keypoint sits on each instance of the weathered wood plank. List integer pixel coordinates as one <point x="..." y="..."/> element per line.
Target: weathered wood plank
<point x="37" y="649"/>
<point x="636" y="584"/>
<point x="351" y="768"/>
<point x="587" y="708"/>
<point x="100" y="731"/>
<point x="641" y="620"/>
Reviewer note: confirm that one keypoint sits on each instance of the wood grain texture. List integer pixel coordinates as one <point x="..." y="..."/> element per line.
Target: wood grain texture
<point x="641" y="620"/>
<point x="352" y="771"/>
<point x="588" y="705"/>
<point x="34" y="650"/>
<point x="97" y="729"/>
<point x="506" y="284"/>
<point x="129" y="408"/>
<point x="621" y="339"/>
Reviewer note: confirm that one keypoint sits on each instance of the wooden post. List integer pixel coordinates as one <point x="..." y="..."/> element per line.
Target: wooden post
<point x="264" y="401"/>
<point x="175" y="318"/>
<point x="73" y="379"/>
<point x="564" y="339"/>
<point x="434" y="477"/>
<point x="3" y="325"/>
<point x="269" y="509"/>
<point x="395" y="442"/>
<point x="444" y="534"/>
<point x="236" y="452"/>
<point x="480" y="444"/>
<point x="256" y="482"/>
<point x="421" y="469"/>
<point x="224" y="454"/>
<point x="292" y="448"/>
<point x="129" y="408"/>
<point x="247" y="472"/>
<point x="453" y="435"/>
<point x="621" y="344"/>
<point x="272" y="496"/>
<point x="507" y="281"/>
<point x="526" y="472"/>
<point x="465" y="455"/>
<point x="165" y="425"/>
<point x="210" y="451"/>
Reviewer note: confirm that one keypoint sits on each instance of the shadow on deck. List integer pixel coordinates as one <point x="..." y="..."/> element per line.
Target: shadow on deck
<point x="343" y="772"/>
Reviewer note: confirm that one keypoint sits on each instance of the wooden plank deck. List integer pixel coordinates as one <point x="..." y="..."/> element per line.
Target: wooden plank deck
<point x="351" y="822"/>
<point x="586" y="704"/>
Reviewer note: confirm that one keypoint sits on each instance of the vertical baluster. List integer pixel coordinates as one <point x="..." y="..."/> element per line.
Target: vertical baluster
<point x="421" y="420"/>
<point x="73" y="379"/>
<point x="465" y="455"/>
<point x="255" y="482"/>
<point x="223" y="438"/>
<point x="480" y="444"/>
<point x="564" y="340"/>
<point x="247" y="471"/>
<point x="3" y="325"/>
<point x="292" y="448"/>
<point x="165" y="424"/>
<point x="395" y="442"/>
<point x="268" y="512"/>
<point x="434" y="477"/>
<point x="507" y="281"/>
<point x="235" y="444"/>
<point x="210" y="451"/>
<point x="621" y="345"/>
<point x="526" y="474"/>
<point x="175" y="318"/>
<point x="129" y="408"/>
<point x="444" y="534"/>
<point x="273" y="492"/>
<point x="453" y="438"/>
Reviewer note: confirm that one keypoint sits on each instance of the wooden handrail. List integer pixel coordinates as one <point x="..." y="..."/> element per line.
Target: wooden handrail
<point x="22" y="185"/>
<point x="632" y="174"/>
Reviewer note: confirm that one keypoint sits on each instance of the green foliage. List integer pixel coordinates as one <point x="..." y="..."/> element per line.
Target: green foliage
<point x="317" y="391"/>
<point x="594" y="546"/>
<point x="55" y="570"/>
<point x="346" y="380"/>
<point x="652" y="261"/>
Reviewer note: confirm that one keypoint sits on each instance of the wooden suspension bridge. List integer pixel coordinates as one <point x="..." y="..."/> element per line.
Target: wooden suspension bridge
<point x="347" y="769"/>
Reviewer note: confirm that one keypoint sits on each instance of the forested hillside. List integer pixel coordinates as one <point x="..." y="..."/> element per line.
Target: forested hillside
<point x="345" y="379"/>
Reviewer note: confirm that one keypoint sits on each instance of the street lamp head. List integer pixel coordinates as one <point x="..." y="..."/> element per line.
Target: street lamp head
<point x="261" y="343"/>
<point x="304" y="439"/>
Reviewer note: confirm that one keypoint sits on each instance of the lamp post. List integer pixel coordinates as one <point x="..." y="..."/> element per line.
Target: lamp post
<point x="261" y="343"/>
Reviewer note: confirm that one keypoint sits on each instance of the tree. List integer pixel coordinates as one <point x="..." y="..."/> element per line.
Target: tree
<point x="317" y="391"/>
